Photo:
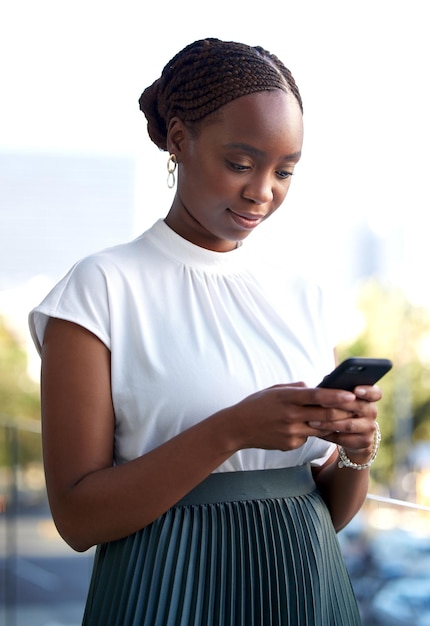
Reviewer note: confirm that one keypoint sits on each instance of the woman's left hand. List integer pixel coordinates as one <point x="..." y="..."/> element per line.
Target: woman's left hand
<point x="355" y="430"/>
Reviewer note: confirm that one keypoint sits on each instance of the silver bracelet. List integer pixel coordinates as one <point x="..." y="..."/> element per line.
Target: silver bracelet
<point x="345" y="461"/>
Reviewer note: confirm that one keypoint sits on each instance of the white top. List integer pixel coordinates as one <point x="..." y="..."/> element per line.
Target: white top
<point x="192" y="331"/>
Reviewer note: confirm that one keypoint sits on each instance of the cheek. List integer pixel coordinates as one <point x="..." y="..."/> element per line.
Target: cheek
<point x="281" y="193"/>
<point x="218" y="187"/>
<point x="222" y="187"/>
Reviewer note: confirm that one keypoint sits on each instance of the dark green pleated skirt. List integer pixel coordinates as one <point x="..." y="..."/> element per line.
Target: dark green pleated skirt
<point x="242" y="549"/>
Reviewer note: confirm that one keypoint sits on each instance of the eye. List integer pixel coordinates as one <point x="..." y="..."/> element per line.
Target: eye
<point x="284" y="174"/>
<point x="237" y="167"/>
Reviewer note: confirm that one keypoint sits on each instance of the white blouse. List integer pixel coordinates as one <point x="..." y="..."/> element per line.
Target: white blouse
<point x="192" y="331"/>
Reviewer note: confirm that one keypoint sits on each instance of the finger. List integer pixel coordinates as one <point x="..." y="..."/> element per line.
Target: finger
<point x="358" y="428"/>
<point x="360" y="418"/>
<point x="356" y="440"/>
<point x="358" y="408"/>
<point x="330" y="419"/>
<point x="370" y="394"/>
<point x="364" y="409"/>
<point x="299" y="384"/>
<point x="331" y="398"/>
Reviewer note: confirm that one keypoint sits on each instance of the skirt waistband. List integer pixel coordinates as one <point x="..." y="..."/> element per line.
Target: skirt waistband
<point x="251" y="485"/>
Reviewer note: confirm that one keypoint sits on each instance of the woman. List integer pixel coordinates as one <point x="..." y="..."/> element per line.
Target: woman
<point x="177" y="435"/>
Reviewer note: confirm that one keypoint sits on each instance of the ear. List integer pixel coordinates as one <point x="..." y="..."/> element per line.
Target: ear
<point x="177" y="136"/>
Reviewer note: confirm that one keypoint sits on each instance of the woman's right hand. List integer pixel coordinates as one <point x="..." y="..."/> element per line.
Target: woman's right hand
<point x="277" y="418"/>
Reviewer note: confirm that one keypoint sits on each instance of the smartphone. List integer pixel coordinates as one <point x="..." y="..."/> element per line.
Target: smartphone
<point x="356" y="371"/>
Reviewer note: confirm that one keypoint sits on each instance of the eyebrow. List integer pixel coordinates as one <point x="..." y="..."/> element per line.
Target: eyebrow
<point x="259" y="153"/>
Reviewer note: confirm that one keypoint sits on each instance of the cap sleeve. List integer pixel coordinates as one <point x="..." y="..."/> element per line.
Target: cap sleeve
<point x="80" y="297"/>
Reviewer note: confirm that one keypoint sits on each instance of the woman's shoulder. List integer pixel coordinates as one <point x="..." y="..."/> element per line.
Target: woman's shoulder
<point x="120" y="257"/>
<point x="83" y="295"/>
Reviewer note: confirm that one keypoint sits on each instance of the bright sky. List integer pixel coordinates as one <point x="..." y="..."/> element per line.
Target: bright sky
<point x="72" y="72"/>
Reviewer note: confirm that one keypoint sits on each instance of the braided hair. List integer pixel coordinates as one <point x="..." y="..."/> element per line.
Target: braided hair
<point x="204" y="76"/>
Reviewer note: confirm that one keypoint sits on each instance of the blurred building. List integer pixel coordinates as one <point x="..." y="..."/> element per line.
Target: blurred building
<point x="54" y="209"/>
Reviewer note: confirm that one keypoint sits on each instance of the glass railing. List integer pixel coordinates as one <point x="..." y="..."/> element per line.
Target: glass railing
<point x="44" y="582"/>
<point x="387" y="551"/>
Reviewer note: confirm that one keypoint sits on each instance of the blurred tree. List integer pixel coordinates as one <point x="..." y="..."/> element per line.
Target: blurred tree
<point x="19" y="399"/>
<point x="396" y="329"/>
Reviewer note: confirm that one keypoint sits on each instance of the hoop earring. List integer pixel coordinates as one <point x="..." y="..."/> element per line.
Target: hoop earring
<point x="172" y="164"/>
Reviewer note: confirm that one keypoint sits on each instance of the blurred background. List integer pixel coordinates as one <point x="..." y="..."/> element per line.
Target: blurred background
<point x="78" y="173"/>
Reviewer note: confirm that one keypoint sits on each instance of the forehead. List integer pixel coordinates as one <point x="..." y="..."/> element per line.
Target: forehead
<point x="264" y="115"/>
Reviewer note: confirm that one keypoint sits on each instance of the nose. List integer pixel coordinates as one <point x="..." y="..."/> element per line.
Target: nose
<point x="259" y="190"/>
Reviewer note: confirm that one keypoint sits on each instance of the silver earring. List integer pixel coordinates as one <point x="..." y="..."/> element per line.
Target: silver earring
<point x="172" y="164"/>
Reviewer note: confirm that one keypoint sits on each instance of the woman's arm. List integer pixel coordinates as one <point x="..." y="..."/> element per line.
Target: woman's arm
<point x="93" y="501"/>
<point x="344" y="489"/>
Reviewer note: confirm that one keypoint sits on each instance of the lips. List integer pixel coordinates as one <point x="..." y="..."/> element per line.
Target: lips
<point x="246" y="220"/>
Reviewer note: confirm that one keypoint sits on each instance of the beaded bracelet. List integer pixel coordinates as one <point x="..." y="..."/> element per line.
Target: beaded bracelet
<point x="344" y="461"/>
